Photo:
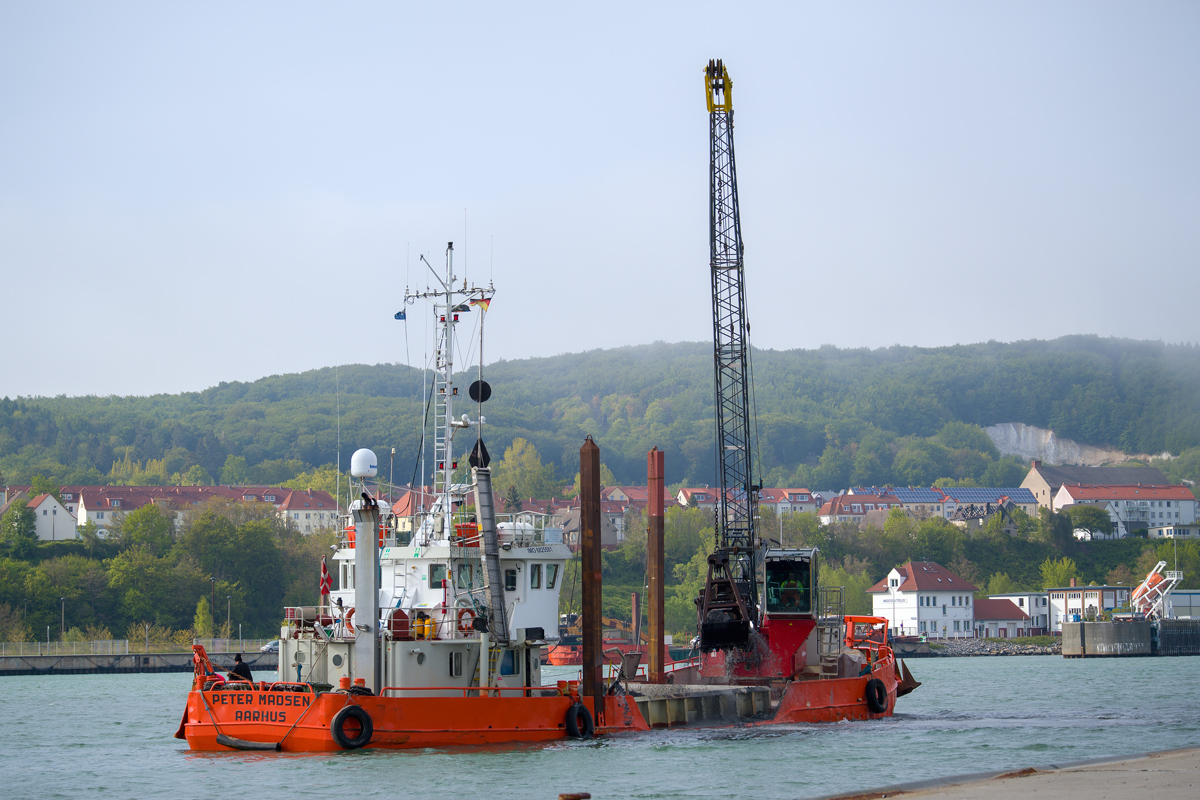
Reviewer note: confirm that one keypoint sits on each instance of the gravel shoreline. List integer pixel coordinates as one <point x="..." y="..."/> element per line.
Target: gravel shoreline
<point x="980" y="647"/>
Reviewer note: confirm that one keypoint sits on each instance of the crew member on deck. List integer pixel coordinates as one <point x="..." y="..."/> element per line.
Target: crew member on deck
<point x="240" y="669"/>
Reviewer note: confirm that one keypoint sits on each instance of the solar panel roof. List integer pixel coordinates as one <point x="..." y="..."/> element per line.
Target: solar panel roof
<point x="918" y="495"/>
<point x="988" y="495"/>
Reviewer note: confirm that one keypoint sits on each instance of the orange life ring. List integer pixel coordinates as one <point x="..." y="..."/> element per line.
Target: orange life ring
<point x="346" y="619"/>
<point x="470" y="619"/>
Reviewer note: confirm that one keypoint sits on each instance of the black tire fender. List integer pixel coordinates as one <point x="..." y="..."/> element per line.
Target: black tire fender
<point x="579" y="722"/>
<point x="336" y="727"/>
<point x="877" y="699"/>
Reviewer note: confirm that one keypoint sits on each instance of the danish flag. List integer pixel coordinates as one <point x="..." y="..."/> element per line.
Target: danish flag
<point x="326" y="578"/>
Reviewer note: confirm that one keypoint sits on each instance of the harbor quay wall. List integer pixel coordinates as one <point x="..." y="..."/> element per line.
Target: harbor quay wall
<point x="132" y="662"/>
<point x="1106" y="639"/>
<point x="1179" y="637"/>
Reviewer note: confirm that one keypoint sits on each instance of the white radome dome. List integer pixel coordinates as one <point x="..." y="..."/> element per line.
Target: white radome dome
<point x="363" y="464"/>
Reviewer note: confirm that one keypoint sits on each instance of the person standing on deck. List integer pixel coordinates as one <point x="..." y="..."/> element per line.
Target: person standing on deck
<point x="241" y="669"/>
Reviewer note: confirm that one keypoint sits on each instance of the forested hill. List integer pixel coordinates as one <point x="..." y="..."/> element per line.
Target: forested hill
<point x="826" y="417"/>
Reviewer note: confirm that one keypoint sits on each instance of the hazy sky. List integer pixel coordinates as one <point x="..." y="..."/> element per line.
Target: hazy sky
<point x="197" y="192"/>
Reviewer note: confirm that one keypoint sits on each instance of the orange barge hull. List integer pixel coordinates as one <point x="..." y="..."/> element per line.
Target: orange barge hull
<point x="301" y="722"/>
<point x="836" y="699"/>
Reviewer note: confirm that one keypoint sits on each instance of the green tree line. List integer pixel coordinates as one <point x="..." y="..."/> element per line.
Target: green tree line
<point x="826" y="418"/>
<point x="150" y="572"/>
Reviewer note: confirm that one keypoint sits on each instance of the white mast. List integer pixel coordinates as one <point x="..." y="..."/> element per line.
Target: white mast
<point x="448" y="303"/>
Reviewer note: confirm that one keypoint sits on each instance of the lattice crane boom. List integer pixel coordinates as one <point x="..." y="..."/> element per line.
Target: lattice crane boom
<point x="729" y="603"/>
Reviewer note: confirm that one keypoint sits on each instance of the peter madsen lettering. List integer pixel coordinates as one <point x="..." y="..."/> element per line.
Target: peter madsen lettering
<point x="281" y="700"/>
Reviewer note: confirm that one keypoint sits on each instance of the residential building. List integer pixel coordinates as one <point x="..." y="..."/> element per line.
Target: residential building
<point x="99" y="504"/>
<point x="1044" y="480"/>
<point x="54" y="521"/>
<point x="1131" y="507"/>
<point x="931" y="501"/>
<point x="1174" y="530"/>
<point x="1067" y="601"/>
<point x="922" y="502"/>
<point x="973" y="518"/>
<point x="702" y="497"/>
<point x="923" y="597"/>
<point x="636" y="496"/>
<point x="854" y="507"/>
<point x="1000" y="619"/>
<point x="788" y="501"/>
<point x="1019" y="497"/>
<point x="1035" y="605"/>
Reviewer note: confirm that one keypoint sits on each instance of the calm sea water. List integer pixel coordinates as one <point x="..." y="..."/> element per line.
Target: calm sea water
<point x="111" y="736"/>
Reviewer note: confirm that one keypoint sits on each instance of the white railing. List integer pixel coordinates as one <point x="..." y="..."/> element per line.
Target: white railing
<point x="100" y="647"/>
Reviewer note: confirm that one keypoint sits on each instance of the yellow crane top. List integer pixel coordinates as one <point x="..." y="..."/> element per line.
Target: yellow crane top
<point x="718" y="89"/>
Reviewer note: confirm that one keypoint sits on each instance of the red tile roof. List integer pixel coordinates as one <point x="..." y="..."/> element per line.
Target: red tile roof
<point x="1136" y="492"/>
<point x="986" y="609"/>
<point x="37" y="501"/>
<point x="926" y="576"/>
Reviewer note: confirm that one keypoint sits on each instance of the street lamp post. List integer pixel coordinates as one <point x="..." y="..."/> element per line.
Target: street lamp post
<point x="212" y="604"/>
<point x="62" y="629"/>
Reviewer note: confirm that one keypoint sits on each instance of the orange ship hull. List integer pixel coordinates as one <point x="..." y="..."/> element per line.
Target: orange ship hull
<point x="836" y="699"/>
<point x="301" y="722"/>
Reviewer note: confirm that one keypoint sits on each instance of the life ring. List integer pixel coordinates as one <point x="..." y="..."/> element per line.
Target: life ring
<point x="347" y="622"/>
<point x="338" y="727"/>
<point x="876" y="696"/>
<point x="466" y="625"/>
<point x="579" y="722"/>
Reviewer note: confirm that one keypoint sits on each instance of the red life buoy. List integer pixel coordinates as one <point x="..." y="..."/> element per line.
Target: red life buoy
<point x="466" y="625"/>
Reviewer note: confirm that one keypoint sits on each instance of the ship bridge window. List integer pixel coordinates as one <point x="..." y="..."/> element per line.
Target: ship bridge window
<point x="437" y="574"/>
<point x="510" y="580"/>
<point x="456" y="663"/>
<point x="535" y="576"/>
<point x="551" y="575"/>
<point x="510" y="664"/>
<point x="789" y="586"/>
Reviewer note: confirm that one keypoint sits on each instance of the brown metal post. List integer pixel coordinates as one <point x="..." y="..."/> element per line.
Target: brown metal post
<point x="655" y="563"/>
<point x="589" y="525"/>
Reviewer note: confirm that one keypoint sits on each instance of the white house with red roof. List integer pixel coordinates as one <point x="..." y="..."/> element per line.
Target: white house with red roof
<point x="789" y="501"/>
<point x="1134" y="506"/>
<point x="54" y="521"/>
<point x="855" y="507"/>
<point x="923" y="597"/>
<point x="702" y="497"/>
<point x="309" y="510"/>
<point x="1000" y="619"/>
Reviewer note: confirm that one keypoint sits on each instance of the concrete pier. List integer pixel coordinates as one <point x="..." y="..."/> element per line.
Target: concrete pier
<point x="133" y="662"/>
<point x="1106" y="639"/>
<point x="1168" y="773"/>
